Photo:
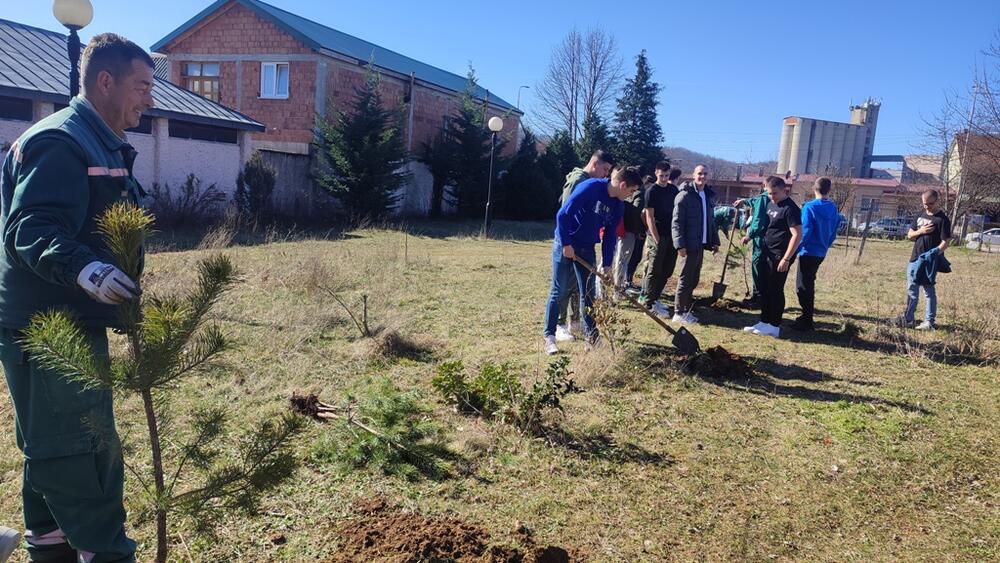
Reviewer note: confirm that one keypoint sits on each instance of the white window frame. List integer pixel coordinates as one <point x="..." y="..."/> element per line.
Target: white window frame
<point x="276" y="95"/>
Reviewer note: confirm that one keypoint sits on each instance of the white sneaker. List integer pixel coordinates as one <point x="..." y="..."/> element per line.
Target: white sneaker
<point x="753" y="328"/>
<point x="768" y="330"/>
<point x="563" y="334"/>
<point x="550" y="345"/>
<point x="661" y="310"/>
<point x="926" y="325"/>
<point x="685" y="319"/>
<point x="10" y="540"/>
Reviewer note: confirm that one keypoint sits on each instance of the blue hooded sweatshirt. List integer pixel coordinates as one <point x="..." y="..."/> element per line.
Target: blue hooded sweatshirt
<point x="819" y="227"/>
<point x="579" y="220"/>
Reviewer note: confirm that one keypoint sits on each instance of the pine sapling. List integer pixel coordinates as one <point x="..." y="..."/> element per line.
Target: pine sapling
<point x="167" y="340"/>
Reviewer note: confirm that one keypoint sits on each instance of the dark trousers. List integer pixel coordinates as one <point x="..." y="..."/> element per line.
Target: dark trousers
<point x="633" y="262"/>
<point x="689" y="278"/>
<point x="73" y="470"/>
<point x="660" y="264"/>
<point x="805" y="285"/>
<point x="756" y="264"/>
<point x="772" y="289"/>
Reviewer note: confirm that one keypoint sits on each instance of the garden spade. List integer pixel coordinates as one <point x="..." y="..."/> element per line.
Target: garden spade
<point x="682" y="339"/>
<point x="719" y="287"/>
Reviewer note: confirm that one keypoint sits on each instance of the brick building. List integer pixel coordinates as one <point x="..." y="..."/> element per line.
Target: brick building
<point x="283" y="70"/>
<point x="182" y="134"/>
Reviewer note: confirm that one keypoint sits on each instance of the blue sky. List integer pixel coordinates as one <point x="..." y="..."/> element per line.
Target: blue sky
<point x="730" y="70"/>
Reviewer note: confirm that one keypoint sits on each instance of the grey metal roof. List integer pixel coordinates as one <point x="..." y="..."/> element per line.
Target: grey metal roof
<point x="318" y="36"/>
<point x="34" y="64"/>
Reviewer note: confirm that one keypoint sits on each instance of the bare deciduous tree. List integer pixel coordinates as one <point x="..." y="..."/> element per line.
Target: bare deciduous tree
<point x="583" y="77"/>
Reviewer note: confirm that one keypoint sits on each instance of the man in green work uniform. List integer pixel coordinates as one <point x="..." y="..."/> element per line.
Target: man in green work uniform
<point x="755" y="233"/>
<point x="58" y="177"/>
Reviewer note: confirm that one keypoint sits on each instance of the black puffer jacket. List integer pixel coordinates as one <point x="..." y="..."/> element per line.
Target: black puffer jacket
<point x="686" y="226"/>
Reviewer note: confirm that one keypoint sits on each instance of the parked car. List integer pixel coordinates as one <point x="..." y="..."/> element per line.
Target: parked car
<point x="887" y="227"/>
<point x="990" y="236"/>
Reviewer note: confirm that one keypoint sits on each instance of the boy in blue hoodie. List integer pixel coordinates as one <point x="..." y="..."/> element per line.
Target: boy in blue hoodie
<point x="819" y="228"/>
<point x="593" y="204"/>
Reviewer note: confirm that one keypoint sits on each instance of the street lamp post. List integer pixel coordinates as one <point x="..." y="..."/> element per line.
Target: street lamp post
<point x="74" y="14"/>
<point x="518" y="105"/>
<point x="495" y="124"/>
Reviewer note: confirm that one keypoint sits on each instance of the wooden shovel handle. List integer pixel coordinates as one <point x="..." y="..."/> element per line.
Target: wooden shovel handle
<point x="607" y="280"/>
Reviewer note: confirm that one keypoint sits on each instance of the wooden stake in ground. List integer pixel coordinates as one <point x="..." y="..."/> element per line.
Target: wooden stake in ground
<point x="864" y="233"/>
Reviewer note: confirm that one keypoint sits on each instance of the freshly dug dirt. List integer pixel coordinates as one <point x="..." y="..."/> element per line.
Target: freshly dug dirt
<point x="383" y="533"/>
<point x="719" y="363"/>
<point x="307" y="405"/>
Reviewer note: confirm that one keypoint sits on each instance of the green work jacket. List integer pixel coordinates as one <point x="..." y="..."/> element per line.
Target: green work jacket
<point x="57" y="179"/>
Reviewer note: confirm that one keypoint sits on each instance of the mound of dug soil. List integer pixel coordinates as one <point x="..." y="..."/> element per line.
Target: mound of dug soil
<point x="719" y="363"/>
<point x="386" y="534"/>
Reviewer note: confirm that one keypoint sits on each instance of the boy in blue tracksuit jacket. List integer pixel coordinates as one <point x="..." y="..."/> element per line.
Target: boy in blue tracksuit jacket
<point x="594" y="203"/>
<point x="820" y="220"/>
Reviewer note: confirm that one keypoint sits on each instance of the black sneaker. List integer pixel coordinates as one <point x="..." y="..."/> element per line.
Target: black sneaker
<point x="801" y="325"/>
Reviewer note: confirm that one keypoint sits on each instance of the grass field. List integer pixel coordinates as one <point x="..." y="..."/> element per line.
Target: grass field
<point x="854" y="443"/>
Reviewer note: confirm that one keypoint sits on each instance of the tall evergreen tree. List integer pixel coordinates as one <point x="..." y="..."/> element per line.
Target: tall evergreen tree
<point x="436" y="155"/>
<point x="559" y="159"/>
<point x="636" y="129"/>
<point x="595" y="136"/>
<point x="526" y="192"/>
<point x="469" y="149"/>
<point x="361" y="153"/>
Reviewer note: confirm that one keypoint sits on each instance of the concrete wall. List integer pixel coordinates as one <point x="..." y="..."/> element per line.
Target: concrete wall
<point x="164" y="159"/>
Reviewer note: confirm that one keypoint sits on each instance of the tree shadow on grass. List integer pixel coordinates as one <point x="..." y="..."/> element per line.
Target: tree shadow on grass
<point x="599" y="446"/>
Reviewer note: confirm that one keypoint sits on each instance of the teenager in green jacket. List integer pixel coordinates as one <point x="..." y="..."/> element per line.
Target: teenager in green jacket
<point x="58" y="177"/>
<point x="755" y="233"/>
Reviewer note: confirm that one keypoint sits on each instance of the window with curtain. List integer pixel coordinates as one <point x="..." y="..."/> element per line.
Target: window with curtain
<point x="274" y="80"/>
<point x="202" y="79"/>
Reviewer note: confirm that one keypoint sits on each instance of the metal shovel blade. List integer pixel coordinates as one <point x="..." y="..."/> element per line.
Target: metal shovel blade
<point x="718" y="290"/>
<point x="685" y="342"/>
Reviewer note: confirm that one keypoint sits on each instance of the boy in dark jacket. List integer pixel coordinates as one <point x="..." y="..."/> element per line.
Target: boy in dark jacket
<point x="820" y="220"/>
<point x="595" y="204"/>
<point x="781" y="241"/>
<point x="693" y="230"/>
<point x="930" y="233"/>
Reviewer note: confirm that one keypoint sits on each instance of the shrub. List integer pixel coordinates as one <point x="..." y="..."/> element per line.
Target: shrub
<point x="255" y="188"/>
<point x="498" y="392"/>
<point x="191" y="205"/>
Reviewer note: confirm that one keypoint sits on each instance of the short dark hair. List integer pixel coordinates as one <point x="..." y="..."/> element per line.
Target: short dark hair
<point x="604" y="156"/>
<point x="630" y="175"/>
<point x="774" y="182"/>
<point x="662" y="165"/>
<point x="674" y="174"/>
<point x="823" y="185"/>
<point x="112" y="53"/>
<point x="931" y="192"/>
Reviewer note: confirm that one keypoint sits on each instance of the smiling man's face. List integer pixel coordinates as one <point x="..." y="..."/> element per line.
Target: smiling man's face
<point x="130" y="96"/>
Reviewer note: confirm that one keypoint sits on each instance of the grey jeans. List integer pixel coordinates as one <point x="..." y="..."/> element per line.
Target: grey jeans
<point x="688" y="279"/>
<point x="623" y="254"/>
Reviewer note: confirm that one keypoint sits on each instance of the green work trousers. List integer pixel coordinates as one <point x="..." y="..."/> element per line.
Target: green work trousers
<point x="756" y="263"/>
<point x="73" y="469"/>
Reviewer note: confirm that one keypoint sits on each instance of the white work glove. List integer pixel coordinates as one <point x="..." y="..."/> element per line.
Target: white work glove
<point x="107" y="284"/>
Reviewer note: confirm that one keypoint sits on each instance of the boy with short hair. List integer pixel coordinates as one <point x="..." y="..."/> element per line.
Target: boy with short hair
<point x="931" y="235"/>
<point x="693" y="230"/>
<point x="599" y="166"/>
<point x="781" y="241"/>
<point x="820" y="220"/>
<point x="594" y="204"/>
<point x="661" y="256"/>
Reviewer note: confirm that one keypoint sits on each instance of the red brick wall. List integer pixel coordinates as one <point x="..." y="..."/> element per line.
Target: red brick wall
<point x="235" y="30"/>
